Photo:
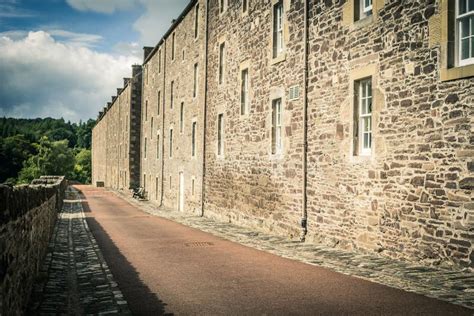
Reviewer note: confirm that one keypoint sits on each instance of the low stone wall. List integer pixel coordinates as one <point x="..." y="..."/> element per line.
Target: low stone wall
<point x="27" y="217"/>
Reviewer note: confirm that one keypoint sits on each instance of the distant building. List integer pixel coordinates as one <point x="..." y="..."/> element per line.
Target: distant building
<point x="348" y="123"/>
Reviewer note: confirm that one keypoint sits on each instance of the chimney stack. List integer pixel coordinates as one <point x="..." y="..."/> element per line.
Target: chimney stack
<point x="146" y="51"/>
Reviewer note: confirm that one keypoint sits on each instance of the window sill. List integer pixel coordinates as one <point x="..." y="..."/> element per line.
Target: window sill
<point x="280" y="58"/>
<point x="361" y="158"/>
<point x="363" y="22"/>
<point x="447" y="74"/>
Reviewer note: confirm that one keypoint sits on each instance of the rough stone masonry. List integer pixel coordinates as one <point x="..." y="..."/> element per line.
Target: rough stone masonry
<point x="348" y="123"/>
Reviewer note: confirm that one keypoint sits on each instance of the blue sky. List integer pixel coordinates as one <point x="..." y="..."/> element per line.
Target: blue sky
<point x="65" y="58"/>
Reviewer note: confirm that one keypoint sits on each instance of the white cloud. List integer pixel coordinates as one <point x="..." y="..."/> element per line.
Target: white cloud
<point x="151" y="25"/>
<point x="42" y="77"/>
<point x="102" y="6"/>
<point x="156" y="20"/>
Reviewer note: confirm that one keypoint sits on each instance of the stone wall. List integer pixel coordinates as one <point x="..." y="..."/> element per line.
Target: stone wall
<point x="412" y="197"/>
<point x="248" y="184"/>
<point x="161" y="171"/>
<point x="409" y="197"/>
<point x="27" y="217"/>
<point x="116" y="137"/>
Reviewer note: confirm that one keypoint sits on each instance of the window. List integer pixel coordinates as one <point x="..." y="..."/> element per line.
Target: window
<point x="222" y="5"/>
<point x="220" y="134"/>
<point x="151" y="128"/>
<point x="159" y="103"/>
<point x="171" y="143"/>
<point x="146" y="74"/>
<point x="156" y="188"/>
<point x="277" y="28"/>
<point x="244" y="6"/>
<point x="276" y="126"/>
<point x="172" y="46"/>
<point x="144" y="148"/>
<point x="158" y="146"/>
<point x="172" y="94"/>
<point x="196" y="21"/>
<point x="195" y="80"/>
<point x="146" y="110"/>
<point x="193" y="140"/>
<point x="244" y="94"/>
<point x="170" y="182"/>
<point x="144" y="181"/>
<point x="159" y="61"/>
<point x="192" y="186"/>
<point x="363" y="117"/>
<point x="181" y="118"/>
<point x="465" y="32"/>
<point x="362" y="9"/>
<point x="183" y="56"/>
<point x="221" y="62"/>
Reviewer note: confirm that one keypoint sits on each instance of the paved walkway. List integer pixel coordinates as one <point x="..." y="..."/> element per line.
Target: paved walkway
<point x="164" y="267"/>
<point x="74" y="278"/>
<point x="451" y="285"/>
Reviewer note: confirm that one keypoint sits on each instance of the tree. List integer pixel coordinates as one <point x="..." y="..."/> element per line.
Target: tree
<point x="53" y="158"/>
<point x="83" y="166"/>
<point x="13" y="151"/>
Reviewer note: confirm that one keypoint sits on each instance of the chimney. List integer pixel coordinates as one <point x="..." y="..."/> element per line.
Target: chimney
<point x="119" y="90"/>
<point x="126" y="81"/>
<point x="136" y="70"/>
<point x="146" y="51"/>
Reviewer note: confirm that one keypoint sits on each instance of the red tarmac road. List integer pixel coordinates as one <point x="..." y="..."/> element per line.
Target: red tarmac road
<point x="165" y="267"/>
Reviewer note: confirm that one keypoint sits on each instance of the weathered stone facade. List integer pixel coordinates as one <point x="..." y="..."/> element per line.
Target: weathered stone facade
<point x="27" y="217"/>
<point x="116" y="137"/>
<point x="178" y="79"/>
<point x="294" y="155"/>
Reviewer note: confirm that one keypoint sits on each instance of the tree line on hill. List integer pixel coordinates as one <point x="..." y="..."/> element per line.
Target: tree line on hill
<point x="30" y="148"/>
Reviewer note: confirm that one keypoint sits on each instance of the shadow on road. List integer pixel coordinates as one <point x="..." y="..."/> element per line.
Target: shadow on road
<point x="141" y="300"/>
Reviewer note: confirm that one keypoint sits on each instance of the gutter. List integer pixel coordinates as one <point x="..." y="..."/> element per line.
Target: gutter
<point x="204" y="127"/>
<point x="304" y="215"/>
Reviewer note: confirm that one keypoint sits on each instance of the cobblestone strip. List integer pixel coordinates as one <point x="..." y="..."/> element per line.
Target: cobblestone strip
<point x="454" y="286"/>
<point x="74" y="278"/>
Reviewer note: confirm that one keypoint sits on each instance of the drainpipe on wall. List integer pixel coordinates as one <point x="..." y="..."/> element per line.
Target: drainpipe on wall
<point x="163" y="125"/>
<point x="204" y="127"/>
<point x="304" y="215"/>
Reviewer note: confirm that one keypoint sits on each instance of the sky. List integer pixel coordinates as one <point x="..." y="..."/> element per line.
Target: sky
<point x="66" y="58"/>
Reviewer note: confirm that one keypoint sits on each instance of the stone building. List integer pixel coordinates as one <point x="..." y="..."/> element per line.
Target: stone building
<point x="116" y="137"/>
<point x="173" y="113"/>
<point x="347" y="123"/>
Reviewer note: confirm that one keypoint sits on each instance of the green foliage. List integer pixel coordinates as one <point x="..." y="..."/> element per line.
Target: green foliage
<point x="52" y="158"/>
<point x="13" y="151"/>
<point x="83" y="166"/>
<point x="30" y="148"/>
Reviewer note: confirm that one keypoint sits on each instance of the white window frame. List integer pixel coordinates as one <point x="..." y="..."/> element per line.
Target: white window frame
<point x="196" y="78"/>
<point x="181" y="118"/>
<point x="158" y="110"/>
<point x="173" y="46"/>
<point x="366" y="8"/>
<point x="171" y="94"/>
<point x="145" y="148"/>
<point x="222" y="6"/>
<point x="276" y="132"/>
<point x="458" y="20"/>
<point x="171" y="143"/>
<point x="221" y="70"/>
<point x="193" y="138"/>
<point x="278" y="28"/>
<point x="220" y="134"/>
<point x="364" y="98"/>
<point x="158" y="151"/>
<point x="244" y="91"/>
<point x="196" y="21"/>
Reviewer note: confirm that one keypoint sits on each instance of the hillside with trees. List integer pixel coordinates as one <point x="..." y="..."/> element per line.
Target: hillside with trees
<point x="30" y="148"/>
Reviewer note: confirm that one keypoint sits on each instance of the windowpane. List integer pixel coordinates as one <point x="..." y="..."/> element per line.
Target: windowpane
<point x="462" y="6"/>
<point x="472" y="47"/>
<point x="464" y="27"/>
<point x="244" y="92"/>
<point x="471" y="5"/>
<point x="465" y="48"/>
<point x="220" y="133"/>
